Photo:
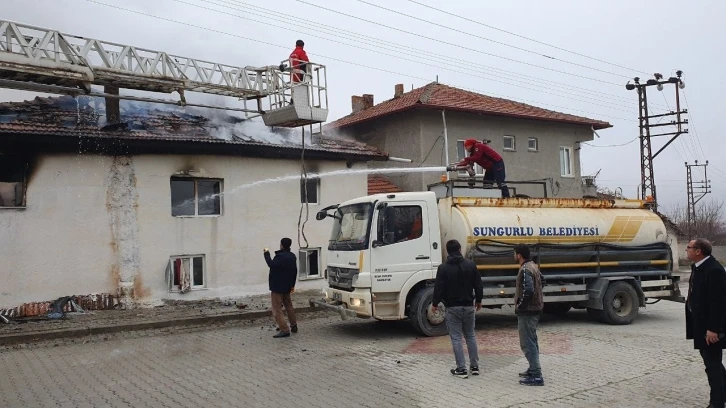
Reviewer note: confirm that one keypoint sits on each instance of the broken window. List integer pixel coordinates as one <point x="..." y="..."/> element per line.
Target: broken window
<point x="195" y="197"/>
<point x="311" y="188"/>
<point x="13" y="172"/>
<point x="310" y="263"/>
<point x="185" y="273"/>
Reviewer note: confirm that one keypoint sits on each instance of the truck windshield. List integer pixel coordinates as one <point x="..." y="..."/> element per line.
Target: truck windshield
<point x="350" y="231"/>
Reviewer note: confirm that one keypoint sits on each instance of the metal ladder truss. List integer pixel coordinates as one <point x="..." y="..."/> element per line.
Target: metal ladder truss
<point x="45" y="60"/>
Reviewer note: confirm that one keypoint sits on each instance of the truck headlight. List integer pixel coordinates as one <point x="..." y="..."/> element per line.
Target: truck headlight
<point x="357" y="302"/>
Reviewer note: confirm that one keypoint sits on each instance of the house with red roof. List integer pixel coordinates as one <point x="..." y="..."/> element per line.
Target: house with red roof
<point x="150" y="203"/>
<point x="536" y="144"/>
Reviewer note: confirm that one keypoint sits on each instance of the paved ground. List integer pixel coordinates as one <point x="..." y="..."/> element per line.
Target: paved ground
<point x="362" y="363"/>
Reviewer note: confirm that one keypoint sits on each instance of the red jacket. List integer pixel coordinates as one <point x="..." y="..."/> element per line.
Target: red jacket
<point x="297" y="57"/>
<point x="484" y="156"/>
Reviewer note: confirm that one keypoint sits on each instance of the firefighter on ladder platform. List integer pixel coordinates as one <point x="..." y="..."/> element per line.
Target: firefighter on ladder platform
<point x="488" y="159"/>
<point x="298" y="62"/>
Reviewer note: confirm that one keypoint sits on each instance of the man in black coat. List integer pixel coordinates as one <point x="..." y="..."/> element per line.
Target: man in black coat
<point x="459" y="286"/>
<point x="705" y="312"/>
<point x="282" y="278"/>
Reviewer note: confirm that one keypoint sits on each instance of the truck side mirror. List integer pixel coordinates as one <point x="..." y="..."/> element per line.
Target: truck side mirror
<point x="321" y="215"/>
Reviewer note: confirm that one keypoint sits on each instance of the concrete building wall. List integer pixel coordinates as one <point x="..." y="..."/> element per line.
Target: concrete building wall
<point x="418" y="135"/>
<point x="93" y="224"/>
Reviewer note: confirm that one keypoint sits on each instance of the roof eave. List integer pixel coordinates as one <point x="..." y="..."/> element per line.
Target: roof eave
<point x="50" y="143"/>
<point x="597" y="125"/>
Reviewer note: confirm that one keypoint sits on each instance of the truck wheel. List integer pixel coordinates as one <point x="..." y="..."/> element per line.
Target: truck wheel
<point x="620" y="303"/>
<point x="558" y="308"/>
<point x="423" y="320"/>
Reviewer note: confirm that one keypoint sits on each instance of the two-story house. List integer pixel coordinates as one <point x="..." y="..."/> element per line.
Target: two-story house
<point x="536" y="144"/>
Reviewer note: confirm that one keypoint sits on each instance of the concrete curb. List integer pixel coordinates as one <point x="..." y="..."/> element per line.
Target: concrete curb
<point x="16" y="338"/>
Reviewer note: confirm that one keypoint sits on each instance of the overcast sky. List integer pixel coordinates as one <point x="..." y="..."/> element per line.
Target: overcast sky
<point x="600" y="46"/>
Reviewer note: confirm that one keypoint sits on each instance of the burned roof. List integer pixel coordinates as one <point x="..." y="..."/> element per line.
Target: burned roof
<point x="173" y="129"/>
<point x="440" y="96"/>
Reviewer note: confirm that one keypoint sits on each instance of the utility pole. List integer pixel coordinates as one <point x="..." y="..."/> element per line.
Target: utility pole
<point x="647" y="177"/>
<point x="696" y="191"/>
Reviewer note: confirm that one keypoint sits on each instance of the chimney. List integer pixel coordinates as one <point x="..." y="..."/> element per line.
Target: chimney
<point x="113" y="112"/>
<point x="367" y="101"/>
<point x="357" y="102"/>
<point x="398" y="91"/>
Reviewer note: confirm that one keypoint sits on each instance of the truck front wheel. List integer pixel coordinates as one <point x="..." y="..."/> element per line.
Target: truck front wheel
<point x="620" y="303"/>
<point x="423" y="319"/>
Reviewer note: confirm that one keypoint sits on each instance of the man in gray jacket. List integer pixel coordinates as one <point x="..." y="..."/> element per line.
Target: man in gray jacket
<point x="529" y="302"/>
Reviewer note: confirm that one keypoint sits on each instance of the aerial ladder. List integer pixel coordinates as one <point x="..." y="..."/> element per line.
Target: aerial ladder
<point x="45" y="60"/>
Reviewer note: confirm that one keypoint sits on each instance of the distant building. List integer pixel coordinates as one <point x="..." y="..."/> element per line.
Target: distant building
<point x="536" y="143"/>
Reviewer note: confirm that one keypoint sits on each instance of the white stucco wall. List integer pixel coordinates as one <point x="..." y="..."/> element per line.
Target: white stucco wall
<point x="92" y="220"/>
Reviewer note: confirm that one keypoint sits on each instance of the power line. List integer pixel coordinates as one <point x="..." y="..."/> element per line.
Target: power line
<point x="469" y="65"/>
<point x="457" y="45"/>
<point x="521" y="36"/>
<point x="488" y="39"/>
<point x="693" y="124"/>
<point x="320" y="55"/>
<point x="605" y="104"/>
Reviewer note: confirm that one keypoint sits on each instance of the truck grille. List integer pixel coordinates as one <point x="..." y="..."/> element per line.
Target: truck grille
<point x="341" y="278"/>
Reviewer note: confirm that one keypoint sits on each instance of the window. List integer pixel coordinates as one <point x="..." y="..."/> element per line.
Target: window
<point x="532" y="144"/>
<point x="312" y="190"/>
<point x="310" y="263"/>
<point x="185" y="273"/>
<point x="509" y="143"/>
<point x="401" y="223"/>
<point x="461" y="154"/>
<point x="12" y="181"/>
<point x="195" y="197"/>
<point x="566" y="162"/>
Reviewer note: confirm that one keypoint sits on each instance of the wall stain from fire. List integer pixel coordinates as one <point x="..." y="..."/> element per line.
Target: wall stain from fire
<point x="122" y="204"/>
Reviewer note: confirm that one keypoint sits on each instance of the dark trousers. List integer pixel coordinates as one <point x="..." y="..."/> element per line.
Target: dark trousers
<point x="497" y="174"/>
<point x="716" y="373"/>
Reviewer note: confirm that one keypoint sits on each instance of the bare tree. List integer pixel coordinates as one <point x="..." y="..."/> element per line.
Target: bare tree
<point x="709" y="222"/>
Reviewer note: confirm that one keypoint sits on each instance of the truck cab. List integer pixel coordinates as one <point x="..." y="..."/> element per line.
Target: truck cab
<point x="380" y="247"/>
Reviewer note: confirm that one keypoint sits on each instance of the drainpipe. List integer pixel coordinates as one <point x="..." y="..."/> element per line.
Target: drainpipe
<point x="399" y="159"/>
<point x="446" y="142"/>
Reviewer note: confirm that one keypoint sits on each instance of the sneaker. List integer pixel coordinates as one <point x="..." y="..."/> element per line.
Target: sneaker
<point x="461" y="373"/>
<point x="525" y="374"/>
<point x="474" y="370"/>
<point x="281" y="334"/>
<point x="532" y="381"/>
<point x="293" y="328"/>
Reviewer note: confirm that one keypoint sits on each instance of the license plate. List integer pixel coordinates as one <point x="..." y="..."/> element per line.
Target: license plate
<point x="337" y="296"/>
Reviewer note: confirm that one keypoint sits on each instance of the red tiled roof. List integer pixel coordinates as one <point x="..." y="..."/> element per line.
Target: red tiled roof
<point x="439" y="96"/>
<point x="61" y="117"/>
<point x="380" y="185"/>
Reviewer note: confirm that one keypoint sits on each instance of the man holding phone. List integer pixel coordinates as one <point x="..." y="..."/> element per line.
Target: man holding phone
<point x="705" y="313"/>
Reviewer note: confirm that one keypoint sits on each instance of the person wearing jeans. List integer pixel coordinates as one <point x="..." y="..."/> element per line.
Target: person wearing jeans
<point x="529" y="302"/>
<point x="459" y="287"/>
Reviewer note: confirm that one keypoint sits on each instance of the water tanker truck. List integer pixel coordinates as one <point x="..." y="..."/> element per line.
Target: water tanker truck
<point x="610" y="257"/>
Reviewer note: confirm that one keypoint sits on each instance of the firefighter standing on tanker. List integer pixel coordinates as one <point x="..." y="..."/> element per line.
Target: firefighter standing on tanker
<point x="489" y="160"/>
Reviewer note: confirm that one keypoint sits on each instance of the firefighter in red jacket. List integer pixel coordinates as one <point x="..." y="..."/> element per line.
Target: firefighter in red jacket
<point x="489" y="160"/>
<point x="298" y="61"/>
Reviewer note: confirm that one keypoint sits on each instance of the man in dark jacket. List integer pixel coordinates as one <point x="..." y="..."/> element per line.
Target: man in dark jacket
<point x="458" y="286"/>
<point x="705" y="308"/>
<point x="529" y="302"/>
<point x="283" y="274"/>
